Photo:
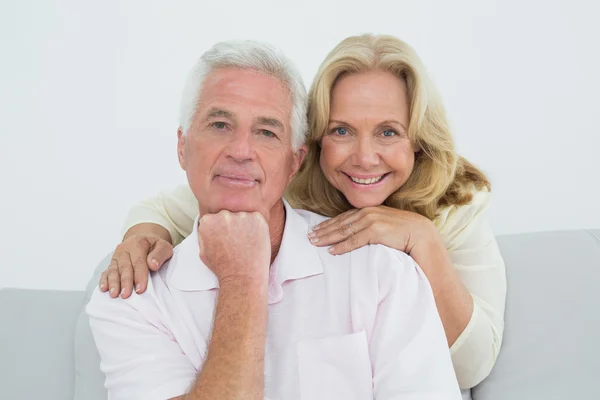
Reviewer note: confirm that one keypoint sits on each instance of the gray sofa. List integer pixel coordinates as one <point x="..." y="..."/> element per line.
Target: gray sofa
<point x="551" y="347"/>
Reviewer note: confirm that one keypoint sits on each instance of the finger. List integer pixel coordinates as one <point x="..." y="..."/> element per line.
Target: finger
<point x="103" y="282"/>
<point x="126" y="273"/>
<point x="114" y="278"/>
<point x="161" y="252"/>
<point x="335" y="220"/>
<point x="140" y="270"/>
<point x="352" y="243"/>
<point x="337" y="233"/>
<point x="339" y="223"/>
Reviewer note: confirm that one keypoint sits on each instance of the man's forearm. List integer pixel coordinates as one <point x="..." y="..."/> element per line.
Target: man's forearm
<point x="234" y="367"/>
<point x="149" y="229"/>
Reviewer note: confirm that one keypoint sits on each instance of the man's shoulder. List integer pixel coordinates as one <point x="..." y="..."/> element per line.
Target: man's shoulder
<point x="147" y="303"/>
<point x="310" y="217"/>
<point x="385" y="259"/>
<point x="378" y="258"/>
<point x="380" y="262"/>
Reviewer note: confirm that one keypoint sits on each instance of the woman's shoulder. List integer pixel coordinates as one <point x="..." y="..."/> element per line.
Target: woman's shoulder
<point x="457" y="217"/>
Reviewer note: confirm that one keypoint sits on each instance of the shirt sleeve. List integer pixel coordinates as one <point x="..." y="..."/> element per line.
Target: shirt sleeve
<point x="139" y="356"/>
<point x="174" y="210"/>
<point x="475" y="254"/>
<point x="408" y="346"/>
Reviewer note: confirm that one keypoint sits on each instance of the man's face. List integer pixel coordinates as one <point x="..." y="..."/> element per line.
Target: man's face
<point x="238" y="152"/>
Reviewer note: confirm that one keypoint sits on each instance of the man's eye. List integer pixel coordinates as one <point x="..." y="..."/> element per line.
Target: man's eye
<point x="219" y="125"/>
<point x="267" y="133"/>
<point x="389" y="133"/>
<point x="341" y="131"/>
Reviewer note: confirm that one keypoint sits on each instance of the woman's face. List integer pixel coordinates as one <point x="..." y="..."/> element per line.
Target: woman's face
<point x="365" y="152"/>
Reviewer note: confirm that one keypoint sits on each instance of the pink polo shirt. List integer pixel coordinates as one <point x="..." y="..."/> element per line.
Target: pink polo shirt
<point x="357" y="326"/>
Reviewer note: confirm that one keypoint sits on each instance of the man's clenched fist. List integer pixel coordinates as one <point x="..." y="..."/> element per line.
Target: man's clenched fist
<point x="236" y="246"/>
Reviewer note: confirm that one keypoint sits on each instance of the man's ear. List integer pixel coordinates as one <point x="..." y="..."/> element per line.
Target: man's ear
<point x="181" y="148"/>
<point x="299" y="156"/>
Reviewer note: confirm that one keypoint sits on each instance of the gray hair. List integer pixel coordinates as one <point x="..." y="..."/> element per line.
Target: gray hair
<point x="247" y="54"/>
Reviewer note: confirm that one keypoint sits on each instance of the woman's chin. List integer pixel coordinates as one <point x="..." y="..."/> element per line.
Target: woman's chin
<point x="364" y="201"/>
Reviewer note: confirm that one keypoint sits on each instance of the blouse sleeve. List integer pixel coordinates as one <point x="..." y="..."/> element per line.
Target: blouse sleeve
<point x="475" y="254"/>
<point x="174" y="210"/>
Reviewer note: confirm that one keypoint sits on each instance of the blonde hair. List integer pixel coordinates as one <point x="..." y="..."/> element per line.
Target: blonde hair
<point x="439" y="178"/>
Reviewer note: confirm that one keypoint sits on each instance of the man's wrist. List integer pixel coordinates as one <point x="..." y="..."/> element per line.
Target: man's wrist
<point x="244" y="285"/>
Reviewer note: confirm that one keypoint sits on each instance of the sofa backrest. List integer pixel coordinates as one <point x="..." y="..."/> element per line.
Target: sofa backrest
<point x="551" y="344"/>
<point x="37" y="329"/>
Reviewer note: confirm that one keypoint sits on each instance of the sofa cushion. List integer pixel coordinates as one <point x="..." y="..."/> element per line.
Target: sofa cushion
<point x="36" y="343"/>
<point x="550" y="349"/>
<point x="89" y="379"/>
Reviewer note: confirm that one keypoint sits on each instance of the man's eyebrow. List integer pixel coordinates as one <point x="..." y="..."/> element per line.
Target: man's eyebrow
<point x="218" y="112"/>
<point x="273" y="122"/>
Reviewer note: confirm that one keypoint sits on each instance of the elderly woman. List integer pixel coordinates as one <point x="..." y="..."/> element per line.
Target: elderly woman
<point x="383" y="165"/>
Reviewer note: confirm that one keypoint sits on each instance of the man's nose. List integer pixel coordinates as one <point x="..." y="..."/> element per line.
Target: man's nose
<point x="366" y="154"/>
<point x="241" y="146"/>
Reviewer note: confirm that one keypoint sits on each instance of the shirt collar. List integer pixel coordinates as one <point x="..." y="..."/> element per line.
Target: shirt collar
<point x="297" y="257"/>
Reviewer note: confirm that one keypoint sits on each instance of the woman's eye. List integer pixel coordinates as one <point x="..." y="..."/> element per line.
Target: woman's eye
<point x="389" y="133"/>
<point x="341" y="131"/>
<point x="219" y="125"/>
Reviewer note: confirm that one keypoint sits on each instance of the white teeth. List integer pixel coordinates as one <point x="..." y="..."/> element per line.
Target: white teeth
<point x="366" y="181"/>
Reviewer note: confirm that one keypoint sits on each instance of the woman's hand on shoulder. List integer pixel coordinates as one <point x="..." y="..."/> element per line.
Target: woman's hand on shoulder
<point x="398" y="229"/>
<point x="130" y="263"/>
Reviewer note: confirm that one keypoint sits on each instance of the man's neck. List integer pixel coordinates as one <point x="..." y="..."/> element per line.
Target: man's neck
<point x="276" y="227"/>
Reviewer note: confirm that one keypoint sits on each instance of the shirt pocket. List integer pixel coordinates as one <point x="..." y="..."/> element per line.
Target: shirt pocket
<point x="336" y="367"/>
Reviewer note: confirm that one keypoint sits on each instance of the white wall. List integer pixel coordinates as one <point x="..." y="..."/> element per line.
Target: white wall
<point x="89" y="94"/>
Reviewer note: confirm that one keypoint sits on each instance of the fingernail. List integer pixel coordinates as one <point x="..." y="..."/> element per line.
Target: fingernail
<point x="314" y="239"/>
<point x="102" y="286"/>
<point x="112" y="290"/>
<point x="331" y="250"/>
<point x="312" y="235"/>
<point x="316" y="228"/>
<point x="138" y="287"/>
<point x="155" y="262"/>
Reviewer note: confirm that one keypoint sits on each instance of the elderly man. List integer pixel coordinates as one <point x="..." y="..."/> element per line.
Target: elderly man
<point x="247" y="308"/>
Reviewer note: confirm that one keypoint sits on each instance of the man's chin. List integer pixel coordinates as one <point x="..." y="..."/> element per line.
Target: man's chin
<point x="236" y="204"/>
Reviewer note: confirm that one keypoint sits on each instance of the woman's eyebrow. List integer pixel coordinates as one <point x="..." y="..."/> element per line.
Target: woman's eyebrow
<point x="392" y="122"/>
<point x="336" y="121"/>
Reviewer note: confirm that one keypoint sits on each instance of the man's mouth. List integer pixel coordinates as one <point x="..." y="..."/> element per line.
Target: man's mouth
<point x="242" y="181"/>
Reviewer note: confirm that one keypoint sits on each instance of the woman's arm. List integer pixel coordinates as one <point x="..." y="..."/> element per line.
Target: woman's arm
<point x="477" y="261"/>
<point x="152" y="228"/>
<point x="175" y="211"/>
